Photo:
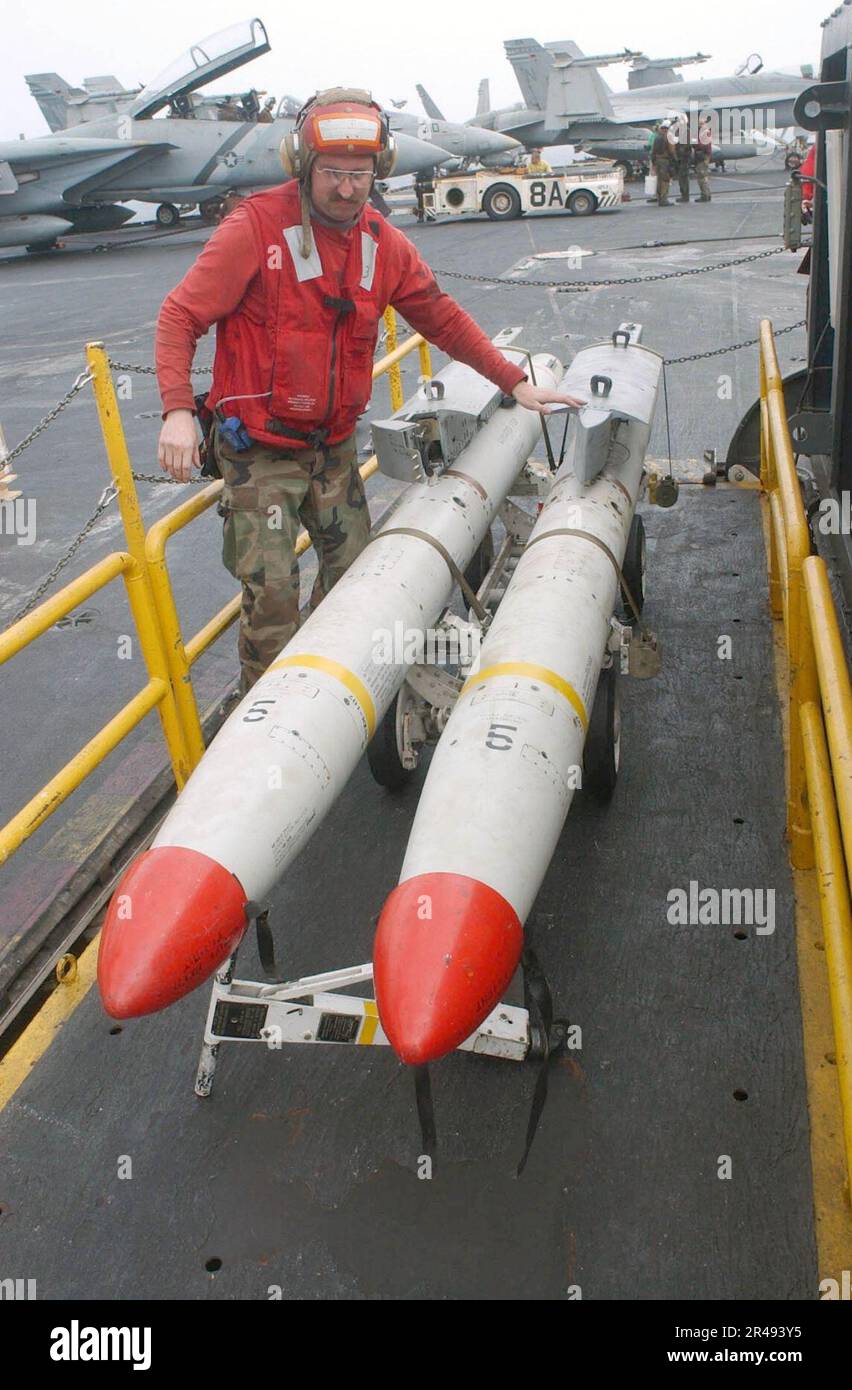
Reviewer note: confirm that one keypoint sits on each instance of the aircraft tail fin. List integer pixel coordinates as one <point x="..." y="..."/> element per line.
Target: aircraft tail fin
<point x="483" y="99"/>
<point x="432" y="111"/>
<point x="64" y="106"/>
<point x="532" y="65"/>
<point x="558" y="79"/>
<point x="54" y="96"/>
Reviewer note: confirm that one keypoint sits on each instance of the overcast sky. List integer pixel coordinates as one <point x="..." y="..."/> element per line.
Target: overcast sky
<point x="442" y="44"/>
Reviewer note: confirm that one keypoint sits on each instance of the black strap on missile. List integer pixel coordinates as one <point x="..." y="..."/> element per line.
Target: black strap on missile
<point x="547" y="1040"/>
<point x="551" y="462"/>
<point x="470" y="597"/>
<point x="265" y="941"/>
<point x="426" y="1115"/>
<point x="601" y="545"/>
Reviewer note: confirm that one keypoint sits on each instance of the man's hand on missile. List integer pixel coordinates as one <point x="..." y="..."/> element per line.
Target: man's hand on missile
<point x="540" y="398"/>
<point x="178" y="448"/>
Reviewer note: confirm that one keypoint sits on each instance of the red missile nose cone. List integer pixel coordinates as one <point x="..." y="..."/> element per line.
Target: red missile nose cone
<point x="175" y="916"/>
<point x="446" y="947"/>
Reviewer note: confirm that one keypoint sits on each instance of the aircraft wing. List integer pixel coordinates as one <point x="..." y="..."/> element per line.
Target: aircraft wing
<point x="88" y="162"/>
<point x="43" y="150"/>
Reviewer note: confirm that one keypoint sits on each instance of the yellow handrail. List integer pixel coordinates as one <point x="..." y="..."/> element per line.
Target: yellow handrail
<point x="819" y="703"/>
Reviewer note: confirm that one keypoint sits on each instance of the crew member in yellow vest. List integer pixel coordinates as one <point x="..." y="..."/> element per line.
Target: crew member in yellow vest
<point x="537" y="165"/>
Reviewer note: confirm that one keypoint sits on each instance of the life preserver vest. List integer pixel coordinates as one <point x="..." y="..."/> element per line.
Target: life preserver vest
<point x="303" y="372"/>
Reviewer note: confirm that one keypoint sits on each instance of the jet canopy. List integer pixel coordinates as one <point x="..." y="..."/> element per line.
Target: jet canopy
<point x="211" y="58"/>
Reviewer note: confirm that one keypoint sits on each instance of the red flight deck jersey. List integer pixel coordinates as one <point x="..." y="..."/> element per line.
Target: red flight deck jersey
<point x="296" y="337"/>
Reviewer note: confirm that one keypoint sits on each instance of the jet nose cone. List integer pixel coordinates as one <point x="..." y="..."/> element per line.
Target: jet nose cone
<point x="494" y="142"/>
<point x="175" y="916"/>
<point x="446" y="947"/>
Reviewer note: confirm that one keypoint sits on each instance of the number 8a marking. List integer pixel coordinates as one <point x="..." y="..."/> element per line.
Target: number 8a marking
<point x="500" y="742"/>
<point x="538" y="194"/>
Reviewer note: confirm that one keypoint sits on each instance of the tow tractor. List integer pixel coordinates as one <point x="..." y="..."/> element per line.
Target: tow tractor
<point x="508" y="193"/>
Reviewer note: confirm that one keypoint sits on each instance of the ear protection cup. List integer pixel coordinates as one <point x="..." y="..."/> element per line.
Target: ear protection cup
<point x="387" y="159"/>
<point x="289" y="154"/>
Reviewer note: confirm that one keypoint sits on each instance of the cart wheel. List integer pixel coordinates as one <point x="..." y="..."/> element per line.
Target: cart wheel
<point x="481" y="563"/>
<point x="167" y="215"/>
<point x="602" y="753"/>
<point x="633" y="570"/>
<point x="502" y="202"/>
<point x="581" y="203"/>
<point x="383" y="750"/>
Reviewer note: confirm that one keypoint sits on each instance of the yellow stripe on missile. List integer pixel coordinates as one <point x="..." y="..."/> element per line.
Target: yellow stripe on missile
<point x="353" y="683"/>
<point x="370" y="1024"/>
<point x="529" y="670"/>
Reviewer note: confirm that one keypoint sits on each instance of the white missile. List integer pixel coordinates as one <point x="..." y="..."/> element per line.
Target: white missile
<point x="504" y="771"/>
<point x="279" y="762"/>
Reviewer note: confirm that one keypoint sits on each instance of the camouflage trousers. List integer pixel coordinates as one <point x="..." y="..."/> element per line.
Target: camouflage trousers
<point x="269" y="494"/>
<point x="664" y="168"/>
<point x="702" y="171"/>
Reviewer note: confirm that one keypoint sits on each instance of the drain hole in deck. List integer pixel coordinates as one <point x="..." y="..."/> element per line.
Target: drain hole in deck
<point x="741" y="935"/>
<point x="740" y="1095"/>
<point x="738" y="820"/>
<point x="213" y="1265"/>
<point x="117" y="1029"/>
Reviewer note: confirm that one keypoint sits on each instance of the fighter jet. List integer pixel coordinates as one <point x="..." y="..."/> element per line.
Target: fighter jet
<point x="568" y="102"/>
<point x="65" y="106"/>
<point x="59" y="184"/>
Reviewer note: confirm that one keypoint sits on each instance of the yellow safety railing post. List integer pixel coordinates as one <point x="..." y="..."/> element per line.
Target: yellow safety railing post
<point x="139" y="587"/>
<point x="425" y="360"/>
<point x="178" y="662"/>
<point x="394" y="372"/>
<point x="115" y="444"/>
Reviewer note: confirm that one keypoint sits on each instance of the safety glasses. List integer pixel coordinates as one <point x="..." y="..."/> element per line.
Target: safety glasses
<point x="359" y="178"/>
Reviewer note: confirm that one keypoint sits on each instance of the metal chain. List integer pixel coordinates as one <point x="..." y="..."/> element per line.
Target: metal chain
<point x="82" y="380"/>
<point x="199" y="480"/>
<point x="734" y="347"/>
<point x="108" y="495"/>
<point x="152" y="371"/>
<point x="561" y="286"/>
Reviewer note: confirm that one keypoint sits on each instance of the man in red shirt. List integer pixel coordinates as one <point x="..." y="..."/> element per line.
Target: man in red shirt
<point x="296" y="280"/>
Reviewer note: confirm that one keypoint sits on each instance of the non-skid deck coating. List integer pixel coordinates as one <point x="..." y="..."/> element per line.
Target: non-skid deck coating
<point x="299" y="1173"/>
